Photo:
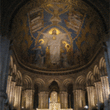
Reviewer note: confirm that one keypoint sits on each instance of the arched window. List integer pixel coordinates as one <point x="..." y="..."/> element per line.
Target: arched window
<point x="54" y="87"/>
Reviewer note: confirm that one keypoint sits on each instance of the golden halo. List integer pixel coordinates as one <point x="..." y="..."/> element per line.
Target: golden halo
<point x="57" y="31"/>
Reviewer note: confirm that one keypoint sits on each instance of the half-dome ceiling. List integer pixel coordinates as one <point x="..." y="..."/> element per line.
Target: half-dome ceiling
<point x="56" y="35"/>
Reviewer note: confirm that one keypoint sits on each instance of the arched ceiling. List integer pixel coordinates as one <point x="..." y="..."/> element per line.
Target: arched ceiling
<point x="56" y="34"/>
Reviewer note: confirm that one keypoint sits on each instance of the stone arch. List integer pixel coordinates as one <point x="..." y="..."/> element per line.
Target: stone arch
<point x="11" y="62"/>
<point x="11" y="65"/>
<point x="27" y="83"/>
<point x="96" y="73"/>
<point x="80" y="82"/>
<point x="89" y="79"/>
<point x="15" y="69"/>
<point x="56" y="80"/>
<point x="102" y="67"/>
<point x="19" y="78"/>
<point x="53" y="87"/>
<point x="14" y="73"/>
<point x="68" y="81"/>
<point x="101" y="63"/>
<point x="40" y="83"/>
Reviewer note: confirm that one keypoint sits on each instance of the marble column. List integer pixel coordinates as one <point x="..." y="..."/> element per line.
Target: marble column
<point x="98" y="90"/>
<point x="46" y="100"/>
<point x="17" y="100"/>
<point x="10" y="95"/>
<point x="29" y="99"/>
<point x="4" y="66"/>
<point x="13" y="92"/>
<point x="79" y="99"/>
<point x="64" y="99"/>
<point x="8" y="86"/>
<point x="41" y="100"/>
<point x="105" y="91"/>
<point x="90" y="92"/>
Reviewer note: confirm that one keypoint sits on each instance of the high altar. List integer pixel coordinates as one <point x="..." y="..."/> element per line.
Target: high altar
<point x="54" y="104"/>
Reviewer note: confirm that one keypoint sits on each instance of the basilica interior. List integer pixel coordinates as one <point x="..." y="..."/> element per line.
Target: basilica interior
<point x="54" y="55"/>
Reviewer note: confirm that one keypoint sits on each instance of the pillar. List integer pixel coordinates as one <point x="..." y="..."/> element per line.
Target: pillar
<point x="99" y="97"/>
<point x="107" y="58"/>
<point x="4" y="66"/>
<point x="29" y="99"/>
<point x="46" y="100"/>
<point x="8" y="85"/>
<point x="79" y="99"/>
<point x="13" y="92"/>
<point x="10" y="94"/>
<point x="17" y="101"/>
<point x="105" y="91"/>
<point x="41" y="100"/>
<point x="64" y="99"/>
<point x="90" y="92"/>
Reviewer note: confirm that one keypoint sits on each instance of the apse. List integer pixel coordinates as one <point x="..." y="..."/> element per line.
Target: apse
<point x="56" y="35"/>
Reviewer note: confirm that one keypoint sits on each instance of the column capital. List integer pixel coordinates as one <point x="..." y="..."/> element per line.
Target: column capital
<point x="90" y="86"/>
<point x="63" y="92"/>
<point x="9" y="76"/>
<point x="104" y="76"/>
<point x="30" y="90"/>
<point x="18" y="85"/>
<point x="13" y="81"/>
<point x="78" y="90"/>
<point x="97" y="82"/>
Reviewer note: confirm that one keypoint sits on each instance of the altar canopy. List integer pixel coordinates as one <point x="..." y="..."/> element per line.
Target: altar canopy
<point x="54" y="104"/>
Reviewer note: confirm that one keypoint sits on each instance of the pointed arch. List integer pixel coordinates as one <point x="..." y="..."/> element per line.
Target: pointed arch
<point x="56" y="80"/>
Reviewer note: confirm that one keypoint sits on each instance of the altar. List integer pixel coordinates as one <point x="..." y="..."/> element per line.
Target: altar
<point x="54" y="104"/>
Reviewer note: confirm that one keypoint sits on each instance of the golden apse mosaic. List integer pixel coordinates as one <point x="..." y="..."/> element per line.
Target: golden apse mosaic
<point x="56" y="35"/>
